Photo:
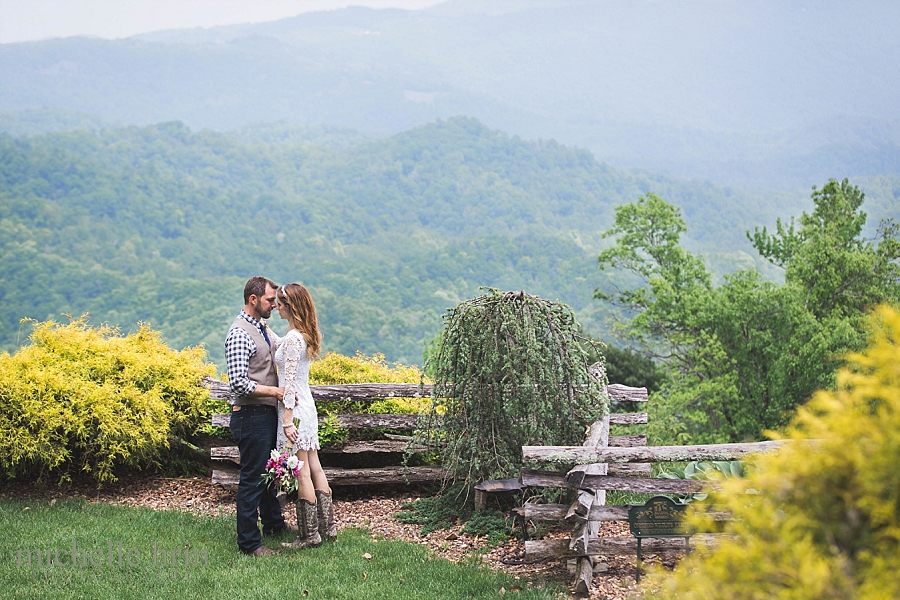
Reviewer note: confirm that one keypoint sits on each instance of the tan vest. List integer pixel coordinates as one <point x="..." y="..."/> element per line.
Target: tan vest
<point x="262" y="365"/>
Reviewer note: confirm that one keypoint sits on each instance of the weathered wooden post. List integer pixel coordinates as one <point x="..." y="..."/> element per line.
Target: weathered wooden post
<point x="579" y="511"/>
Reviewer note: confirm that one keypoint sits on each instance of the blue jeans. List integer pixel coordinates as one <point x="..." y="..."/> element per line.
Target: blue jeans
<point x="254" y="428"/>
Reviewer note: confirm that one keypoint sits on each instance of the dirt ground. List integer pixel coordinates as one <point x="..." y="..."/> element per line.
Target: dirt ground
<point x="372" y="509"/>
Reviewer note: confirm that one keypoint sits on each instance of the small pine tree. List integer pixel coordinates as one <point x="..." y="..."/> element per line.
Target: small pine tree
<point x="510" y="370"/>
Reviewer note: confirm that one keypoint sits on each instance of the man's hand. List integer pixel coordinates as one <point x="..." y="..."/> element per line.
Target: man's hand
<point x="268" y="390"/>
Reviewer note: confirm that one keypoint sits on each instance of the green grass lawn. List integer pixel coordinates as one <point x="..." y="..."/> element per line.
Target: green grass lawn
<point x="110" y="536"/>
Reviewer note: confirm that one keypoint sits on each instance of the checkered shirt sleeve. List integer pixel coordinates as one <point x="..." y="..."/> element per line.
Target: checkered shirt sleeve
<point x="239" y="347"/>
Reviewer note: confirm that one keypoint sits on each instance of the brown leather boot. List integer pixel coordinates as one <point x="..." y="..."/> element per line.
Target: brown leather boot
<point x="307" y="524"/>
<point x="327" y="528"/>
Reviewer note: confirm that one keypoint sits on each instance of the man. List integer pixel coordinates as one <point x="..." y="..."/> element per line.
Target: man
<point x="250" y="359"/>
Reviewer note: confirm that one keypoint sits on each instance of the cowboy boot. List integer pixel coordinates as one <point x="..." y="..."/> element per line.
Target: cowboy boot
<point x="307" y="524"/>
<point x="327" y="528"/>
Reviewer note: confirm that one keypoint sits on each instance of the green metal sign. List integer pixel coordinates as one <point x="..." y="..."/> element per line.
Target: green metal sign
<point x="660" y="517"/>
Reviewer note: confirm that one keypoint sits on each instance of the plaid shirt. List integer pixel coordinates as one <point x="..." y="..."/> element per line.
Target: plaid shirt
<point x="239" y="347"/>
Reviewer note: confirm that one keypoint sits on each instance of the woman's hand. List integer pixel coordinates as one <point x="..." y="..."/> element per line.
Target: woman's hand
<point x="290" y="431"/>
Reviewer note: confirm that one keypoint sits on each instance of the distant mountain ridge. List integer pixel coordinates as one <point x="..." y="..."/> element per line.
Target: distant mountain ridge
<point x="768" y="94"/>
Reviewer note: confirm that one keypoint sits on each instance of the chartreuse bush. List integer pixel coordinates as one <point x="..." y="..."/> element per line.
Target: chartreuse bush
<point x="82" y="398"/>
<point x="819" y="519"/>
<point x="337" y="369"/>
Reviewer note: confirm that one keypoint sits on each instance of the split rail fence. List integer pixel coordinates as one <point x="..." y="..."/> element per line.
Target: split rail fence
<point x="392" y="443"/>
<point x="605" y="463"/>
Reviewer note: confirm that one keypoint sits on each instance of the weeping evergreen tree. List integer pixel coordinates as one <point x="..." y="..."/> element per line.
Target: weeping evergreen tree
<point x="510" y="370"/>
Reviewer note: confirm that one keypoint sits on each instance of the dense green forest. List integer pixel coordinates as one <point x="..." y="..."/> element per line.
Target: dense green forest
<point x="163" y="225"/>
<point x="741" y="356"/>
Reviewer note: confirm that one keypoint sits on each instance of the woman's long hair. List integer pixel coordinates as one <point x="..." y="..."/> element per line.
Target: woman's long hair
<point x="302" y="315"/>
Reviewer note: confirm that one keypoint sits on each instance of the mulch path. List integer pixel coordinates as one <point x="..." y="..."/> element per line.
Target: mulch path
<point x="372" y="509"/>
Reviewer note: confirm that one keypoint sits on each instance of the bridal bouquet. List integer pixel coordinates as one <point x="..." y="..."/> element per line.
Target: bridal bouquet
<point x="283" y="471"/>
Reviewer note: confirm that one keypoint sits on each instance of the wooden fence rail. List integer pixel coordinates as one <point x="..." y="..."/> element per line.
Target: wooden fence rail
<point x="331" y="393"/>
<point x="624" y="465"/>
<point x="369" y="392"/>
<point x="613" y="546"/>
<point x="559" y="512"/>
<point x="385" y="421"/>
<point x="567" y="455"/>
<point x="368" y="476"/>
<point x="410" y="422"/>
<point x="373" y="391"/>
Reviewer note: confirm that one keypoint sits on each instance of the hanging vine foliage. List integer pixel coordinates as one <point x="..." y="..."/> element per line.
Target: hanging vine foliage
<point x="510" y="370"/>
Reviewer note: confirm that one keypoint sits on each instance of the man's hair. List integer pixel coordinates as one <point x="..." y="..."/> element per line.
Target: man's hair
<point x="256" y="286"/>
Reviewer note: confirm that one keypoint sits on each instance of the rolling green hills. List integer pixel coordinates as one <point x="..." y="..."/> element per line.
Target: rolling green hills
<point x="162" y="224"/>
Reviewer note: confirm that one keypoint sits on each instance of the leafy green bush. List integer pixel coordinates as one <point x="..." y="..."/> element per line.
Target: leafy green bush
<point x="81" y="398"/>
<point x="819" y="519"/>
<point x="697" y="470"/>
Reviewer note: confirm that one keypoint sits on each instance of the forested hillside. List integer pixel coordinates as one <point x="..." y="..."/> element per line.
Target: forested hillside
<point x="163" y="225"/>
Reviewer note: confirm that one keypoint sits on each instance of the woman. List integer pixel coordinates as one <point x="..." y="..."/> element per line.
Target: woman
<point x="300" y="424"/>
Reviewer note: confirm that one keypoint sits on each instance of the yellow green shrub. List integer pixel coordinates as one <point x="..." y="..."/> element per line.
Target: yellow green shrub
<point x="337" y="369"/>
<point x="819" y="519"/>
<point x="400" y="406"/>
<point x="82" y="398"/>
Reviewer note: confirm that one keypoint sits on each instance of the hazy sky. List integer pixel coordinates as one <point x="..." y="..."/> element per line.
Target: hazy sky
<point x="22" y="20"/>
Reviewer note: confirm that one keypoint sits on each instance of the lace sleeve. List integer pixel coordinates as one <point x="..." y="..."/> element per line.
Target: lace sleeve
<point x="293" y="351"/>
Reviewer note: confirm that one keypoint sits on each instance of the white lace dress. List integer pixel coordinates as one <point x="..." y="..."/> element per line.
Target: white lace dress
<point x="293" y="375"/>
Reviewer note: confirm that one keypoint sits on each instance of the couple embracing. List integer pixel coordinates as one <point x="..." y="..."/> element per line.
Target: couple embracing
<point x="269" y="376"/>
